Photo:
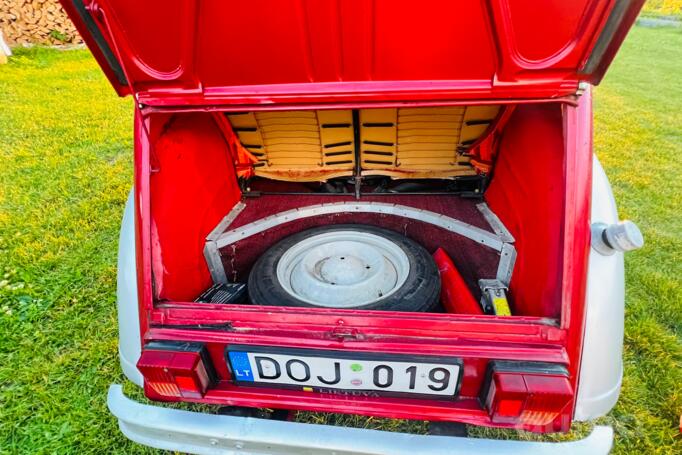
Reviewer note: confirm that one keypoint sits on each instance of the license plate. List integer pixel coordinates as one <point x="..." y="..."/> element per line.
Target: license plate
<point x="334" y="371"/>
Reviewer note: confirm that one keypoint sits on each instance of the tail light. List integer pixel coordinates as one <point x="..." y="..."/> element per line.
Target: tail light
<point x="176" y="369"/>
<point x="526" y="393"/>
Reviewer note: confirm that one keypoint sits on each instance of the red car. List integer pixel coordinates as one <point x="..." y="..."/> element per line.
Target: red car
<point x="382" y="208"/>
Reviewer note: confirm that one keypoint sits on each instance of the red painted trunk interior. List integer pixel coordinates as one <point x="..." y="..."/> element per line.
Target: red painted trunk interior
<point x="195" y="187"/>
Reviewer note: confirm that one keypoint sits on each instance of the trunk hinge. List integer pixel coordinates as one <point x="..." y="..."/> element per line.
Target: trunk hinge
<point x="582" y="88"/>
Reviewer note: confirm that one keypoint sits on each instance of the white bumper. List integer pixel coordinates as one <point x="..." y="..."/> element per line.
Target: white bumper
<point x="199" y="433"/>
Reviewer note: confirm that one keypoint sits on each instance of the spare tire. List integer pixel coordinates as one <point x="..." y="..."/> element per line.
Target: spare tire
<point x="349" y="266"/>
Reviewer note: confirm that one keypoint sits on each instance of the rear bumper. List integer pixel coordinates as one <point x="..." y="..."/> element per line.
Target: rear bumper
<point x="198" y="433"/>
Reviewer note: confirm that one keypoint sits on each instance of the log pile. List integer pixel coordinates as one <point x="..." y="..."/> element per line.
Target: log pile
<point x="36" y="22"/>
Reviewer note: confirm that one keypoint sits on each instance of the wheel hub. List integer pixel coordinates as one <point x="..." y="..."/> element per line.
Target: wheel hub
<point x="343" y="269"/>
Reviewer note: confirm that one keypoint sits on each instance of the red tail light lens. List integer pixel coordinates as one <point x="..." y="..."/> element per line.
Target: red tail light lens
<point x="526" y="393"/>
<point x="176" y="370"/>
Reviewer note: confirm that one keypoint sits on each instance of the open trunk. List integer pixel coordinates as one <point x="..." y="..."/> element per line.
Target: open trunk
<point x="218" y="198"/>
<point x="217" y="176"/>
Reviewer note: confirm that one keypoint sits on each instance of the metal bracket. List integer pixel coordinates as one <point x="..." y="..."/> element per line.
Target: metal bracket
<point x="226" y="221"/>
<point x="506" y="266"/>
<point x="211" y="249"/>
<point x="495" y="223"/>
<point x="583" y="86"/>
<point x="501" y="240"/>
<point x="479" y="235"/>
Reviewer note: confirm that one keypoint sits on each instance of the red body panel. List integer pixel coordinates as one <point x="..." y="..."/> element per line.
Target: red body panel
<point x="214" y="51"/>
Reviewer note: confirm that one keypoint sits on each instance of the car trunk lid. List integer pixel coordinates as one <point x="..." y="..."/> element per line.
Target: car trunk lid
<point x="216" y="52"/>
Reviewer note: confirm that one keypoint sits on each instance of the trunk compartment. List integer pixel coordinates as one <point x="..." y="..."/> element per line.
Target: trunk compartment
<point x="211" y="194"/>
<point x="201" y="186"/>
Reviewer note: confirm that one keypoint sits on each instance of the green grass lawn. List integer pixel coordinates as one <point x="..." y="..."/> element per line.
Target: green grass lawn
<point x="65" y="169"/>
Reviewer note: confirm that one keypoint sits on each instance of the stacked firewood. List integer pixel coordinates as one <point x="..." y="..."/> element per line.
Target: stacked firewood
<point x="36" y="22"/>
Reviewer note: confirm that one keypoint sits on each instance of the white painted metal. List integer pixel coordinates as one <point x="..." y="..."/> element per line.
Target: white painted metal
<point x="343" y="269"/>
<point x="129" y="345"/>
<point x="211" y="253"/>
<point x="505" y="268"/>
<point x="198" y="433"/>
<point x="601" y="367"/>
<point x="495" y="223"/>
<point x="214" y="262"/>
<point x="451" y="224"/>
<point x="226" y="221"/>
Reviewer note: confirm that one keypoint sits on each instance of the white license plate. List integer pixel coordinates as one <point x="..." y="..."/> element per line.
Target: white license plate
<point x="313" y="370"/>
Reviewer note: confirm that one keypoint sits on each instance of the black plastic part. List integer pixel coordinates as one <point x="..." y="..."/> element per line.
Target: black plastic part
<point x="456" y="429"/>
<point x="179" y="346"/>
<point x="224" y="293"/>
<point x="419" y="293"/>
<point x="101" y="42"/>
<point x="357" y="153"/>
<point x="487" y="305"/>
<point x="500" y="366"/>
<point x="606" y="36"/>
<point x="240" y="411"/>
<point x="605" y="239"/>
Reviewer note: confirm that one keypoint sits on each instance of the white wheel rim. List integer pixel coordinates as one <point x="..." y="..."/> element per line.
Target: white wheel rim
<point x="343" y="269"/>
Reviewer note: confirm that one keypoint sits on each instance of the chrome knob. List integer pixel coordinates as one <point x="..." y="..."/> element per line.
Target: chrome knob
<point x="622" y="236"/>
